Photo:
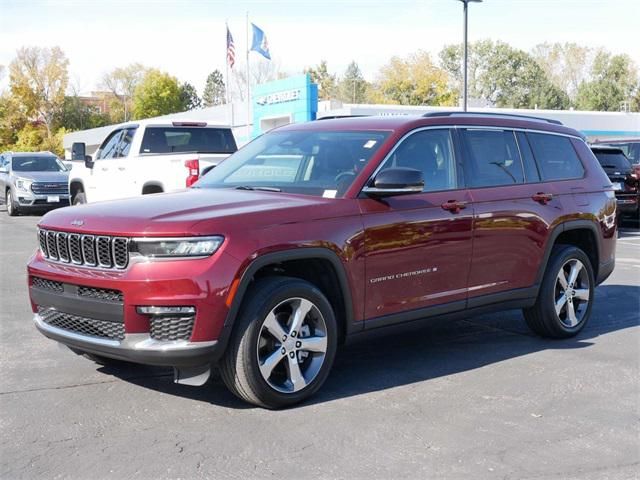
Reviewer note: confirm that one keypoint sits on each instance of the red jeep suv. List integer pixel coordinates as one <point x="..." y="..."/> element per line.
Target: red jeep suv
<point x="316" y="232"/>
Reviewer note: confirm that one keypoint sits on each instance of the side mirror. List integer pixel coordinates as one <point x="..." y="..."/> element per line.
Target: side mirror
<point x="88" y="162"/>
<point x="78" y="151"/>
<point x="396" y="181"/>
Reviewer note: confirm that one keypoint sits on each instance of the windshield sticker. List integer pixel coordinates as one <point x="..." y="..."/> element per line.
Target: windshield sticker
<point x="370" y="144"/>
<point x="329" y="194"/>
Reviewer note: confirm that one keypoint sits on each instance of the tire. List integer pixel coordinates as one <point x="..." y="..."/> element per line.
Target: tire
<point x="80" y="198"/>
<point x="266" y="344"/>
<point x="12" y="208"/>
<point x="556" y="314"/>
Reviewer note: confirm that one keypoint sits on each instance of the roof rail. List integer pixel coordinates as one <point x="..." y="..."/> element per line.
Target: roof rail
<point x="491" y="114"/>
<point x="333" y="117"/>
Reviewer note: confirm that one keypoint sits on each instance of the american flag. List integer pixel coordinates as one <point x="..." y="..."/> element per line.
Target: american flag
<point x="231" y="50"/>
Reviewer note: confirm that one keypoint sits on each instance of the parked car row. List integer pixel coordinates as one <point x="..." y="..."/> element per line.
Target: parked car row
<point x="315" y="233"/>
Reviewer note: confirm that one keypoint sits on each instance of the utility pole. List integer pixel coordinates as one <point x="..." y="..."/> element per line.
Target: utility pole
<point x="465" y="61"/>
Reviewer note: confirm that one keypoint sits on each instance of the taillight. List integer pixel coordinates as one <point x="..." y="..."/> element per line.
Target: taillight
<point x="193" y="166"/>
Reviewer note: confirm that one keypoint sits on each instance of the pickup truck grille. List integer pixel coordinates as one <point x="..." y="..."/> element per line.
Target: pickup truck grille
<point x="86" y="250"/>
<point x="50" y="188"/>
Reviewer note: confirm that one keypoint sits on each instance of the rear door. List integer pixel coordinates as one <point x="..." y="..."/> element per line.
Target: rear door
<point x="418" y="247"/>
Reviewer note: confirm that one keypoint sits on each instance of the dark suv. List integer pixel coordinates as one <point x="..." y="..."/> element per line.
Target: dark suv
<point x="623" y="178"/>
<point x="314" y="233"/>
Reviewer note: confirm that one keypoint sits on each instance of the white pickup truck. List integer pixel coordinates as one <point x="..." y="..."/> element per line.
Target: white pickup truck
<point x="147" y="157"/>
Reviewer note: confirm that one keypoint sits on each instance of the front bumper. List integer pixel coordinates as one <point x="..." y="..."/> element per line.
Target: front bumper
<point x="627" y="203"/>
<point x="32" y="200"/>
<point x="136" y="347"/>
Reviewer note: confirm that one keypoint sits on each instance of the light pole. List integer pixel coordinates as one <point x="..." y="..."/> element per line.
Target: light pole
<point x="464" y="87"/>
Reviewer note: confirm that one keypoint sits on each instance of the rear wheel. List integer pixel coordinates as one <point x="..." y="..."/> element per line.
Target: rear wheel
<point x="283" y="344"/>
<point x="566" y="295"/>
<point x="12" y="207"/>
<point x="79" y="198"/>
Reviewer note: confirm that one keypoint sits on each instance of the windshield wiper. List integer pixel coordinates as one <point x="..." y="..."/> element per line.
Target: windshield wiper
<point x="264" y="189"/>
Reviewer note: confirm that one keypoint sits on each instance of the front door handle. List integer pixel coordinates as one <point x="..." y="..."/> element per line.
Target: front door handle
<point x="105" y="169"/>
<point x="121" y="168"/>
<point x="454" y="206"/>
<point x="542" y="197"/>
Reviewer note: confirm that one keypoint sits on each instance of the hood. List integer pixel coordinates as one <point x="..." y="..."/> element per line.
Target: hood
<point x="43" y="176"/>
<point x="201" y="211"/>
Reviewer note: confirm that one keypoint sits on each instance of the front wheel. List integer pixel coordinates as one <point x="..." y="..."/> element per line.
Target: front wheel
<point x="566" y="295"/>
<point x="12" y="208"/>
<point x="283" y="344"/>
<point x="79" y="199"/>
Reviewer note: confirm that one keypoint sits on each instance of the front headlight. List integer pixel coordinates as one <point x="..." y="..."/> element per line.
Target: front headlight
<point x="176" y="247"/>
<point x="23" y="184"/>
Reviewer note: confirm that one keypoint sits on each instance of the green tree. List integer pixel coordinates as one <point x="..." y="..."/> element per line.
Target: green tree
<point x="566" y="65"/>
<point x="613" y="81"/>
<point x="353" y="86"/>
<point x="157" y="94"/>
<point x="189" y="97"/>
<point x="503" y="76"/>
<point x="326" y="82"/>
<point x="38" y="79"/>
<point x="122" y="82"/>
<point x="214" y="90"/>
<point x="75" y="115"/>
<point x="12" y="119"/>
<point x="413" y="80"/>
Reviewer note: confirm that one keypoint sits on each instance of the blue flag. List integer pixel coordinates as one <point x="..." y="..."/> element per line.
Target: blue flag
<point x="260" y="44"/>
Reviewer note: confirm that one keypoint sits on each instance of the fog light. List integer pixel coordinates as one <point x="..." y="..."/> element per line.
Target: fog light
<point x="166" y="310"/>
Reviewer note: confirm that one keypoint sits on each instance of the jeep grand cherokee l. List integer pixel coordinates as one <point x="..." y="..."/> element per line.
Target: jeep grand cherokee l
<point x="316" y="232"/>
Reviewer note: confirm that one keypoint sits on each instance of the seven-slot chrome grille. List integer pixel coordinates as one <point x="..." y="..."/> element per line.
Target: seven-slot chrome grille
<point x="87" y="250"/>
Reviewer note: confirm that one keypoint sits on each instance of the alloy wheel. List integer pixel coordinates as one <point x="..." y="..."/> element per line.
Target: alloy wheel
<point x="572" y="293"/>
<point x="292" y="345"/>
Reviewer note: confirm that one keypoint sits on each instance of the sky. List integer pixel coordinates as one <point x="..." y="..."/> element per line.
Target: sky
<point x="187" y="37"/>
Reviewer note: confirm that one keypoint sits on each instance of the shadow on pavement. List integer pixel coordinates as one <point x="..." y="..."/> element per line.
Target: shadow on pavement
<point x="417" y="353"/>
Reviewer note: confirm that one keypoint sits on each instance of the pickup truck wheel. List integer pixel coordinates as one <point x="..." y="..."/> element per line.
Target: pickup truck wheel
<point x="566" y="295"/>
<point x="79" y="198"/>
<point x="283" y="344"/>
<point x="12" y="208"/>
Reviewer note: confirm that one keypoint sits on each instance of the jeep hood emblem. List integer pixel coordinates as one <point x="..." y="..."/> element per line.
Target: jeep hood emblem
<point x="77" y="223"/>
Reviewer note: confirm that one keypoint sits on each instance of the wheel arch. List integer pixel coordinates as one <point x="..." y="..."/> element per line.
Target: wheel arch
<point x="583" y="234"/>
<point x="76" y="185"/>
<point x="152" y="186"/>
<point x="288" y="263"/>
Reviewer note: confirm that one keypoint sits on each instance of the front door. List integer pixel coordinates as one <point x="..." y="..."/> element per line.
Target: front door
<point x="418" y="246"/>
<point x="100" y="180"/>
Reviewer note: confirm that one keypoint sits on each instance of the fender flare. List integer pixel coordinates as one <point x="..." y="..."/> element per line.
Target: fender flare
<point x="303" y="253"/>
<point x="566" y="227"/>
<point x="152" y="183"/>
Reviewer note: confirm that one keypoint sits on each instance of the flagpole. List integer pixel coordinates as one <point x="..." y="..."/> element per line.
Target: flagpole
<point x="226" y="80"/>
<point x="248" y="85"/>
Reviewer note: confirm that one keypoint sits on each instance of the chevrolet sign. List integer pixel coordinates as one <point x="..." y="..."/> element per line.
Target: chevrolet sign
<point x="279" y="97"/>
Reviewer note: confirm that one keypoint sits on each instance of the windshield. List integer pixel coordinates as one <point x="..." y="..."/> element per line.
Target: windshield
<point x="37" y="164"/>
<point x="187" y="139"/>
<point x="613" y="160"/>
<point x="320" y="163"/>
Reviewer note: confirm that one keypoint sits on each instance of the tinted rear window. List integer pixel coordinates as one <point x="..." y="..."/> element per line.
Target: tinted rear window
<point x="492" y="157"/>
<point x="613" y="160"/>
<point x="556" y="157"/>
<point x="187" y="139"/>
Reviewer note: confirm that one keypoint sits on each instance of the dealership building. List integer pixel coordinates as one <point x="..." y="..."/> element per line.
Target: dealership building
<point x="295" y="99"/>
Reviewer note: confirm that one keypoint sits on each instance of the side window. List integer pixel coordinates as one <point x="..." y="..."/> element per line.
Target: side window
<point x="110" y="145"/>
<point x="431" y="152"/>
<point x="556" y="157"/>
<point x="125" y="142"/>
<point x="531" y="173"/>
<point x="491" y="158"/>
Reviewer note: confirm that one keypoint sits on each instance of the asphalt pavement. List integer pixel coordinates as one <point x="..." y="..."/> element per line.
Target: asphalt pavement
<point x="476" y="398"/>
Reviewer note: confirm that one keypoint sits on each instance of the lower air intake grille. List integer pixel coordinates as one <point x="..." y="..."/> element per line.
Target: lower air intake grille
<point x="100" y="294"/>
<point x="82" y="325"/>
<point x="171" y="328"/>
<point x="47" y="284"/>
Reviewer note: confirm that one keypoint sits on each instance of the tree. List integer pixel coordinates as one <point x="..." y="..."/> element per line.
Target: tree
<point x="326" y="82"/>
<point x="157" y="94"/>
<point x="353" y="86"/>
<point x="122" y="83"/>
<point x="261" y="71"/>
<point x="503" y="76"/>
<point x="565" y="65"/>
<point x="215" y="91"/>
<point x="12" y="119"/>
<point x="75" y="115"/>
<point x="189" y="97"/>
<point x="414" y="80"/>
<point x="613" y="81"/>
<point x="38" y="79"/>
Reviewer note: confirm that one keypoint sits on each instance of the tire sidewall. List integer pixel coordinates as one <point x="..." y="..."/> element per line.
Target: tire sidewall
<point x="11" y="206"/>
<point x="562" y="256"/>
<point x="256" y="314"/>
<point x="79" y="199"/>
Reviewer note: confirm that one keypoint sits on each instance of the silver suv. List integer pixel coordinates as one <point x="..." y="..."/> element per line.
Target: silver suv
<point x="33" y="181"/>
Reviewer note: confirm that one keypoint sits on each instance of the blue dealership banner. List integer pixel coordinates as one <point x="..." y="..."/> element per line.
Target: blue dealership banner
<point x="260" y="44"/>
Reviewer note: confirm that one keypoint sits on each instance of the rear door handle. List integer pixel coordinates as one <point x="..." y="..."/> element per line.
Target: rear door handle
<point x="454" y="206"/>
<point x="542" y="197"/>
<point x="121" y="168"/>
